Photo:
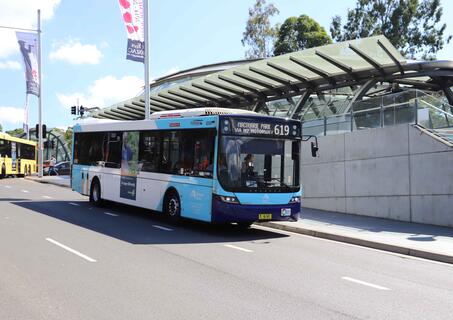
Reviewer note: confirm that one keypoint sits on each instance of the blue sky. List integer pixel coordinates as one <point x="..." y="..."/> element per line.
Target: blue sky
<point x="84" y="46"/>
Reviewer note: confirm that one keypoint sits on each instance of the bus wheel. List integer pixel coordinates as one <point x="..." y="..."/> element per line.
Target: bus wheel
<point x="173" y="207"/>
<point x="3" y="172"/>
<point x="95" y="193"/>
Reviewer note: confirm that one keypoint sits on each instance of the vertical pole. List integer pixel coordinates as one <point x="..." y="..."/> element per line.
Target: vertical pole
<point x="325" y="125"/>
<point x="26" y="117"/>
<point x="381" y="113"/>
<point x="146" y="33"/>
<point x="40" y="138"/>
<point x="352" y="117"/>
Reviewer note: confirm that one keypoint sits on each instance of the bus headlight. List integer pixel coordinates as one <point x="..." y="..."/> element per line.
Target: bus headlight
<point x="295" y="199"/>
<point x="228" y="199"/>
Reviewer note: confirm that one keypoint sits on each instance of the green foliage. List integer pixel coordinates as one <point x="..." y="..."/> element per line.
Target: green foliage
<point x="15" y="132"/>
<point x="298" y="33"/>
<point x="1" y="128"/>
<point x="412" y="26"/>
<point x="259" y="35"/>
<point x="68" y="138"/>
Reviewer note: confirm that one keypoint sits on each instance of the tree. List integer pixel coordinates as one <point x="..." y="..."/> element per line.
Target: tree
<point x="1" y="128"/>
<point x="259" y="35"/>
<point x="298" y="33"/>
<point x="15" y="132"/>
<point x="412" y="26"/>
<point x="68" y="138"/>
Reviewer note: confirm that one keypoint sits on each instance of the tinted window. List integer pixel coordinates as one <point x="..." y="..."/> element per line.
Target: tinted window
<point x="26" y="151"/>
<point x="88" y="148"/>
<point x="5" y="148"/>
<point x="149" y="155"/>
<point x="185" y="152"/>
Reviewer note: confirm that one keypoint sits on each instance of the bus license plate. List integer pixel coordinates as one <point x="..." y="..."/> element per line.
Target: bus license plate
<point x="265" y="216"/>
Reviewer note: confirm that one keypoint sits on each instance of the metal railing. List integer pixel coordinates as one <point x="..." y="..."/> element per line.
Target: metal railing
<point x="412" y="106"/>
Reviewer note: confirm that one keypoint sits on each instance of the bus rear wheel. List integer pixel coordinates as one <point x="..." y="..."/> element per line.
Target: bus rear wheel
<point x="172" y="207"/>
<point x="3" y="172"/>
<point x="95" y="193"/>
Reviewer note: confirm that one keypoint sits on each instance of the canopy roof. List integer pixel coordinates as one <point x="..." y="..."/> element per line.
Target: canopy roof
<point x="243" y="86"/>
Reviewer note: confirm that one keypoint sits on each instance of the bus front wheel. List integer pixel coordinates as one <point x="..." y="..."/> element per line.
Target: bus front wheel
<point x="95" y="193"/>
<point x="173" y="207"/>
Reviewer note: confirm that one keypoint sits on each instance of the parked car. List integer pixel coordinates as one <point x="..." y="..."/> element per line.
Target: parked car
<point x="60" y="169"/>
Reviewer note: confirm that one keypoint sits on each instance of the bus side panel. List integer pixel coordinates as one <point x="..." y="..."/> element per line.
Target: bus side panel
<point x="196" y="200"/>
<point x="150" y="193"/>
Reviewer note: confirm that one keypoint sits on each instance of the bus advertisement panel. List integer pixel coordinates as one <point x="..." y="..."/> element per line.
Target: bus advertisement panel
<point x="239" y="167"/>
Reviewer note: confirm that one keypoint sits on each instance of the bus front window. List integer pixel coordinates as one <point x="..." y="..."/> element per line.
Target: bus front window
<point x="248" y="164"/>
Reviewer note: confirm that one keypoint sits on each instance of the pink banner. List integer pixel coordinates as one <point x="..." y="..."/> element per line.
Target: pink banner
<point x="132" y="14"/>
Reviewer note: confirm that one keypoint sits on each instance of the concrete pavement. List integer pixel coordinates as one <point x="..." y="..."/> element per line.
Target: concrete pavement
<point x="418" y="240"/>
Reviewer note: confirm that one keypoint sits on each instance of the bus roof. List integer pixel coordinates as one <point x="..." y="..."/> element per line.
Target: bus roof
<point x="198" y="112"/>
<point x="8" y="137"/>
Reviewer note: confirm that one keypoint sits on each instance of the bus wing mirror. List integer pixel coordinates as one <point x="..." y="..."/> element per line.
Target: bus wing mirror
<point x="314" y="149"/>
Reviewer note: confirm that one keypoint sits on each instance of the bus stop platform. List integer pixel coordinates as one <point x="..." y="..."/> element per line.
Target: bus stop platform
<point x="413" y="239"/>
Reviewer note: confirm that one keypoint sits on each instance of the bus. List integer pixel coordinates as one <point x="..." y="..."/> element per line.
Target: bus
<point x="17" y="156"/>
<point x="211" y="164"/>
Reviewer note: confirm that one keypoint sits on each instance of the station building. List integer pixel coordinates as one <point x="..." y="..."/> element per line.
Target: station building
<point x="384" y="123"/>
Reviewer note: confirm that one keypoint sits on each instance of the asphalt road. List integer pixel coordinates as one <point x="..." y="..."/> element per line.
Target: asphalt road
<point x="62" y="258"/>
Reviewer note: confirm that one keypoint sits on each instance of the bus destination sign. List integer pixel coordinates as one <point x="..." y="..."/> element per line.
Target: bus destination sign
<point x="258" y="127"/>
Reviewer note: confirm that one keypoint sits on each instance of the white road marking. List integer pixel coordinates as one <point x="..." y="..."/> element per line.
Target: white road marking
<point x="71" y="250"/>
<point x="237" y="248"/>
<point x="162" y="228"/>
<point x="111" y="214"/>
<point x="25" y="191"/>
<point x="8" y="187"/>
<point x="47" y="197"/>
<point x="375" y="286"/>
<point x="74" y="204"/>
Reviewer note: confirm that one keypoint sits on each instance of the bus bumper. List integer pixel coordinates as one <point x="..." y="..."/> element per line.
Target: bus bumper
<point x="223" y="212"/>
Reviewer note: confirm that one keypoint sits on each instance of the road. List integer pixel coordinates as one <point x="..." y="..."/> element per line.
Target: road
<point x="62" y="258"/>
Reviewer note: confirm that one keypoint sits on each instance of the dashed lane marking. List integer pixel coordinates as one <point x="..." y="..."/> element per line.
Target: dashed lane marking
<point x="74" y="204"/>
<point x="81" y="255"/>
<point x="368" y="284"/>
<point x="111" y="214"/>
<point x="162" y="228"/>
<point x="237" y="248"/>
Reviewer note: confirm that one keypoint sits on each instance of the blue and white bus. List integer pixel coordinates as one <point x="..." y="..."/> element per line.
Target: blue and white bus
<point x="210" y="164"/>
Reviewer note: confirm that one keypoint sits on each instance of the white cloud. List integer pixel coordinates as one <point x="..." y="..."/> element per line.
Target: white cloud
<point x="12" y="115"/>
<point x="21" y="14"/>
<point x="103" y="92"/>
<point x="9" y="64"/>
<point x="76" y="53"/>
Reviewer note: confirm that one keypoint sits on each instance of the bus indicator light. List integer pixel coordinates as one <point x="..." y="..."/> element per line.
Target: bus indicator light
<point x="174" y="124"/>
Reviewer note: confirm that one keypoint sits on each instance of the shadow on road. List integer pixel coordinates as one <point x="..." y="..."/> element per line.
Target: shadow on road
<point x="135" y="225"/>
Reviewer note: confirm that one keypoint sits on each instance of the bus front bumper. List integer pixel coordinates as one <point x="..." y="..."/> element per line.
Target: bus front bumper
<point x="223" y="212"/>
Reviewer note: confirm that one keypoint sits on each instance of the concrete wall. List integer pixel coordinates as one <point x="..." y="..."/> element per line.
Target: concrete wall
<point x="395" y="172"/>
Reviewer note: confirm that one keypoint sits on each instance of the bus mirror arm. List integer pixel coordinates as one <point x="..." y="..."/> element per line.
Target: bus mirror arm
<point x="314" y="145"/>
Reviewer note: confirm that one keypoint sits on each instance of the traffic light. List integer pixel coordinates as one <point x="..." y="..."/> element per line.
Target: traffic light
<point x="81" y="111"/>
<point x="73" y="110"/>
<point x="44" y="131"/>
<point x="52" y="144"/>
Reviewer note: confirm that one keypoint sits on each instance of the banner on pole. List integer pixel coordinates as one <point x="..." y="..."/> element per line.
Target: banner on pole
<point x="132" y="13"/>
<point x="28" y="44"/>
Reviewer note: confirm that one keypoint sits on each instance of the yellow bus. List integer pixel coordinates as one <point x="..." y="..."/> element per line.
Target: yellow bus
<point x="17" y="156"/>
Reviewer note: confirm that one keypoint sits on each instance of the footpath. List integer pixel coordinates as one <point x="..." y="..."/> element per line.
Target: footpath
<point x="413" y="239"/>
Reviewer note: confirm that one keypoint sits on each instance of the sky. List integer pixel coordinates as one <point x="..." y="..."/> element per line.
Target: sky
<point x="84" y="48"/>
